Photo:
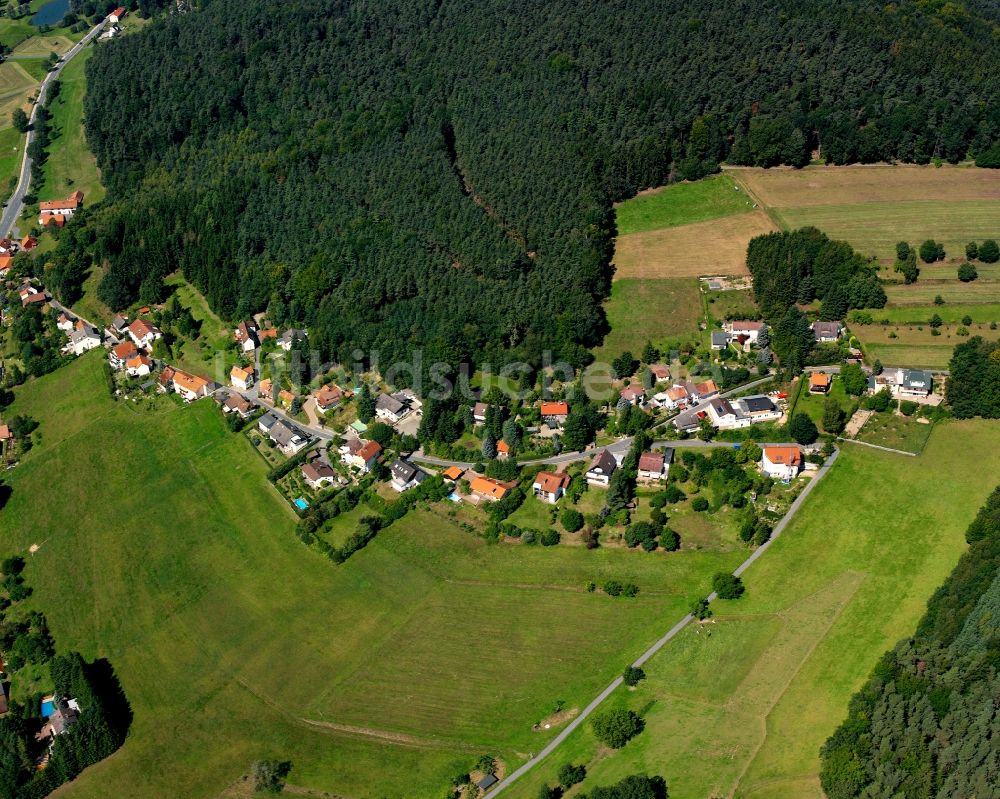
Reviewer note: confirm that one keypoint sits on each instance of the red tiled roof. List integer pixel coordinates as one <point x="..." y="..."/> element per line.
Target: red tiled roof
<point x="124" y="350"/>
<point x="555" y="409"/>
<point x="784" y="456"/>
<point x="651" y="462"/>
<point x="551" y="482"/>
<point x="371" y="449"/>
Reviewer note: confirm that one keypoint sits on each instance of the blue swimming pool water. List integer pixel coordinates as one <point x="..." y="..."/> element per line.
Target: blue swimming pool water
<point x="51" y="13"/>
<point x="48" y="708"/>
<point x="454" y="497"/>
<point x="301" y="504"/>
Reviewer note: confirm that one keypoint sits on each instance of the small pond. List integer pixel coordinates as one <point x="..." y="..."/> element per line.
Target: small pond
<point x="51" y="13"/>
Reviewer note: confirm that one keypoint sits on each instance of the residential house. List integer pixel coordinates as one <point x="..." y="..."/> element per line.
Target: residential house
<point x="820" y="382"/>
<point x="118" y="327"/>
<point x="392" y="407"/>
<point x="63" y="209"/>
<point x="318" y="474"/>
<point x="246" y="335"/>
<point x="601" y="468"/>
<point x="29" y="243"/>
<point x="633" y="395"/>
<point x="264" y="388"/>
<point x="82" y="339"/>
<point x="65" y="323"/>
<point x="479" y="412"/>
<point x="781" y="463"/>
<point x="120" y="354"/>
<point x="720" y="339"/>
<point x="660" y="372"/>
<point x="554" y="413"/>
<point x="241" y="377"/>
<point x="6" y="262"/>
<point x="503" y="450"/>
<point x="405" y="475"/>
<point x="827" y="331"/>
<point x="288" y="438"/>
<point x="286" y="398"/>
<point x="759" y="408"/>
<point x="723" y="415"/>
<point x="190" y="387"/>
<point x="32" y="297"/>
<point x="7" y="247"/>
<point x="550" y="486"/>
<point x="743" y="327"/>
<point x="144" y="334"/>
<point x="236" y="403"/>
<point x="453" y="474"/>
<point x="914" y="383"/>
<point x="655" y="465"/>
<point x="289" y="337"/>
<point x="700" y="392"/>
<point x="328" y="397"/>
<point x="360" y="453"/>
<point x="117" y="15"/>
<point x="671" y="399"/>
<point x="266" y="422"/>
<point x="138" y="366"/>
<point x="486" y="488"/>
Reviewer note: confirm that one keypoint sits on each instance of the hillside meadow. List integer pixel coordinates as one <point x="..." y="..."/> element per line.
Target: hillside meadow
<point x="740" y="706"/>
<point x="162" y="547"/>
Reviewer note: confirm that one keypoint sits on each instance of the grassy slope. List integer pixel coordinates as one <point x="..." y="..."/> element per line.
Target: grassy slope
<point x="71" y="166"/>
<point x="681" y="204"/>
<point x="747" y="708"/>
<point x="165" y="550"/>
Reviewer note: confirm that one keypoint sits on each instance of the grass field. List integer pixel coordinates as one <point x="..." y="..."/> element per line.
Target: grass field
<point x="716" y="247"/>
<point x="741" y="707"/>
<point x="681" y="204"/>
<point x="165" y="549"/>
<point x="210" y="354"/>
<point x="649" y="310"/>
<point x="984" y="313"/>
<point x="907" y="433"/>
<point x="851" y="185"/>
<point x="951" y="291"/>
<point x="71" y="166"/>
<point x="42" y="45"/>
<point x="913" y="346"/>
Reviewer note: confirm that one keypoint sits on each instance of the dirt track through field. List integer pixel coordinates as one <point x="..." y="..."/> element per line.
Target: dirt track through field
<point x="716" y="247"/>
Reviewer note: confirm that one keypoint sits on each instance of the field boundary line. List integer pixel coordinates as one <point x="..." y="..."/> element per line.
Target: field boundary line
<point x="770" y="212"/>
<point x="879" y="446"/>
<point x="570" y="728"/>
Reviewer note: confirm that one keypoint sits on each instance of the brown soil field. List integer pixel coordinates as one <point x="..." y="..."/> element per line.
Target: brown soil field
<point x="833" y="185"/>
<point x="716" y="247"/>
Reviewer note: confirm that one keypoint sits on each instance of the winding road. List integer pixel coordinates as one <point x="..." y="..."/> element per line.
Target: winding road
<point x="16" y="202"/>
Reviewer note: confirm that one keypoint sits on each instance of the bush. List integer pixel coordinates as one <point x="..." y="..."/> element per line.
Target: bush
<point x="550" y="538"/>
<point x="908" y="407"/>
<point x="632" y="676"/>
<point x="727" y="586"/>
<point x="612" y="588"/>
<point x="931" y="251"/>
<point x="699" y="504"/>
<point x="570" y="774"/>
<point x="972" y="251"/>
<point x="670" y="541"/>
<point x="571" y="520"/>
<point x="617" y="727"/>
<point x="989" y="252"/>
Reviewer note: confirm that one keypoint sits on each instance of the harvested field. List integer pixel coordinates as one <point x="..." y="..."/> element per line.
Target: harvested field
<point x="716" y="247"/>
<point x="922" y="292"/>
<point x="849" y="185"/>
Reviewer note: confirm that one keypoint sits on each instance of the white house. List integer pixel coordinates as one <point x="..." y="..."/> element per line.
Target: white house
<point x="288" y="438"/>
<point x="633" y="395"/>
<point x="144" y="334"/>
<point x="655" y="465"/>
<point x="66" y="323"/>
<point x="914" y="383"/>
<point x="120" y="354"/>
<point x="781" y="463"/>
<point x="82" y="340"/>
<point x="743" y="327"/>
<point x="601" y="469"/>
<point x="247" y="335"/>
<point x="550" y="486"/>
<point x="117" y="15"/>
<point x="64" y="208"/>
<point x="479" y="412"/>
<point x="671" y="399"/>
<point x="318" y="474"/>
<point x="360" y="453"/>
<point x="289" y="337"/>
<point x="241" y="377"/>
<point x="392" y="407"/>
<point x="138" y="366"/>
<point x="190" y="387"/>
<point x="405" y="475"/>
<point x="720" y="339"/>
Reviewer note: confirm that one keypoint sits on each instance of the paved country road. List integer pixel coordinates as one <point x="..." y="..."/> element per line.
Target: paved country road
<point x="16" y="202"/>
<point x="671" y="633"/>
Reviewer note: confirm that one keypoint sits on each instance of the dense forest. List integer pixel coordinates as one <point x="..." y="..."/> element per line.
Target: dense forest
<point x="441" y="173"/>
<point x="926" y="723"/>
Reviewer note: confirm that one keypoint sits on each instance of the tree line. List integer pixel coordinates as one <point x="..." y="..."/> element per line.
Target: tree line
<point x="379" y="201"/>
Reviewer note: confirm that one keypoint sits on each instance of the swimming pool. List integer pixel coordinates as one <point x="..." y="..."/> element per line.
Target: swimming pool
<point x="301" y="504"/>
<point x="454" y="497"/>
<point x="48" y="708"/>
